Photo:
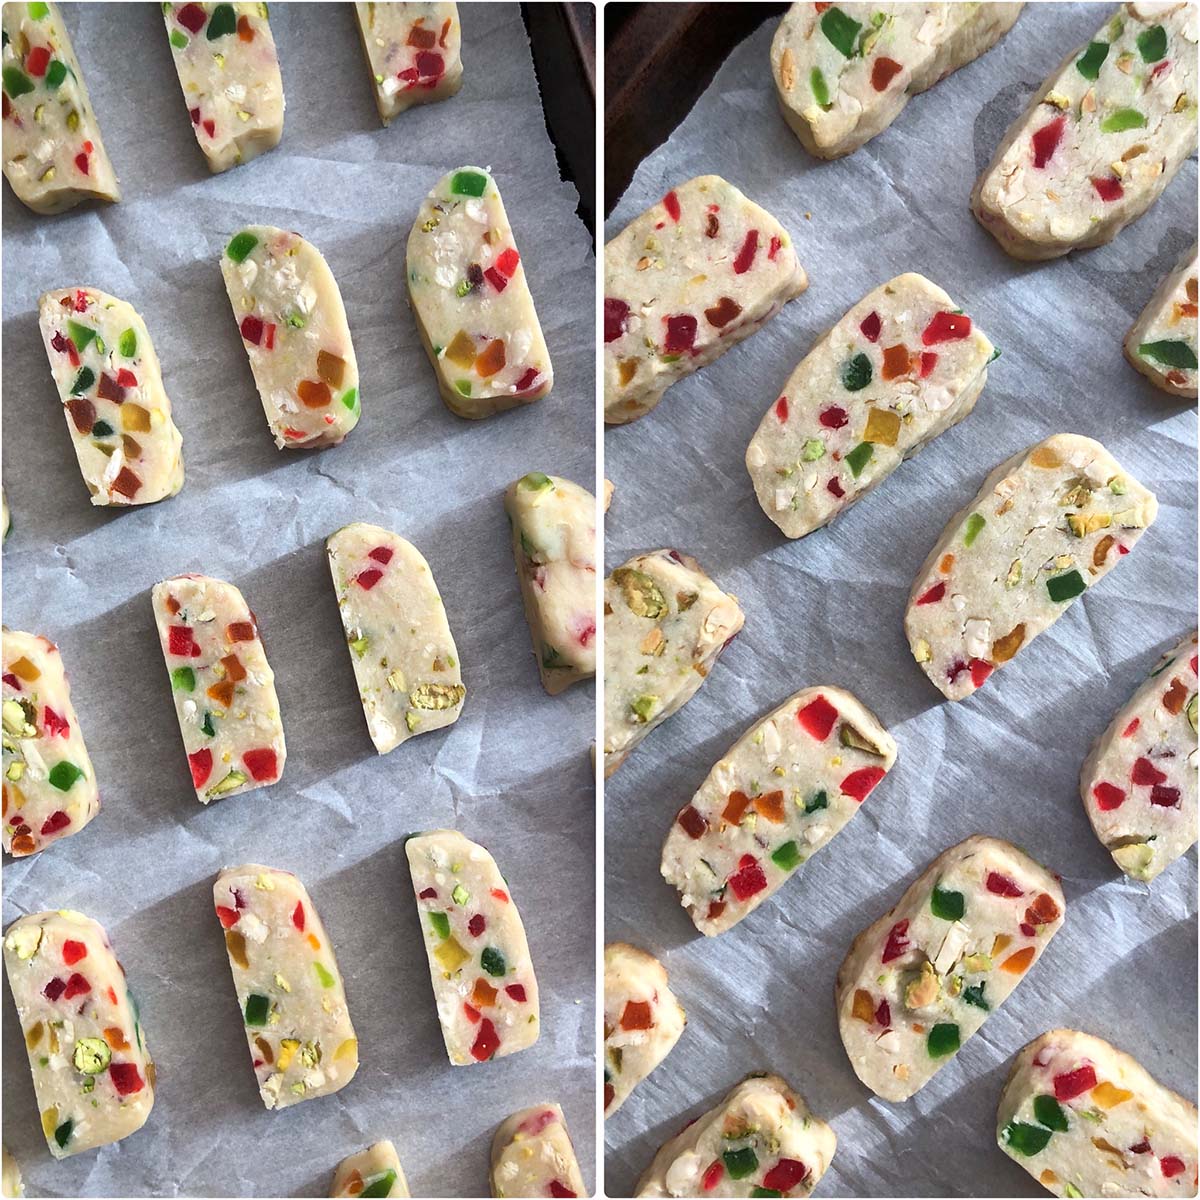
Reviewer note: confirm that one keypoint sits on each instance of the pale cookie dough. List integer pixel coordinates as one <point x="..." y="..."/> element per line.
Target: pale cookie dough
<point x="471" y="300"/>
<point x="781" y="792"/>
<point x="554" y="543"/>
<point x="92" y="1072"/>
<point x="49" y="785"/>
<point x="922" y="979"/>
<point x="375" y="1171"/>
<point x="1139" y="781"/>
<point x="695" y="274"/>
<point x="11" y="1184"/>
<point x="479" y="964"/>
<point x="54" y="157"/>
<point x="1162" y="343"/>
<point x="222" y="685"/>
<point x="903" y="365"/>
<point x="665" y="624"/>
<point x="532" y="1155"/>
<point x="1101" y="139"/>
<point x="1086" y="1119"/>
<point x="404" y="657"/>
<point x="844" y="73"/>
<point x="110" y="384"/>
<point x="1048" y="523"/>
<point x="289" y="988"/>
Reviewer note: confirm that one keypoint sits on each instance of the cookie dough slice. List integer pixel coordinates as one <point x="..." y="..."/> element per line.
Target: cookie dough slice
<point x="1162" y="343"/>
<point x="1139" y="781"/>
<point x="1101" y="139"/>
<point x="289" y="988"/>
<point x="1086" y="1119"/>
<point x="903" y="365"/>
<point x="922" y="979"/>
<point x="11" y="1183"/>
<point x="642" y="1020"/>
<point x="532" y="1155"/>
<point x="111" y="387"/>
<point x="781" y="792"/>
<point x="1047" y="524"/>
<point x="54" y="157"/>
<point x="92" y="1072"/>
<point x="665" y="624"/>
<point x="293" y="324"/>
<point x="483" y="981"/>
<point x="404" y="657"/>
<point x="49" y="785"/>
<point x="413" y="51"/>
<point x="762" y="1139"/>
<point x="471" y="299"/>
<point x="695" y="274"/>
<point x="844" y="73"/>
<point x="222" y="685"/>
<point x="375" y="1171"/>
<point x="554" y="543"/>
<point x="227" y="66"/>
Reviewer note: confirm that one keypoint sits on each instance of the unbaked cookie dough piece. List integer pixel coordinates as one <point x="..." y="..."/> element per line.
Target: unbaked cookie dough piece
<point x="222" y="685"/>
<point x="554" y="543"/>
<point x="844" y="73"/>
<point x="665" y="624"/>
<point x="413" y="51"/>
<point x="375" y="1171"/>
<point x="1086" y="1119"/>
<point x="92" y="1072"/>
<point x="11" y="1183"/>
<point x="1139" y="781"/>
<point x="49" y="785"/>
<point x="1101" y="139"/>
<point x="227" y="66"/>
<point x="293" y="323"/>
<point x="903" y="365"/>
<point x="642" y="1020"/>
<point x="695" y="274"/>
<point x="1162" y="343"/>
<point x="404" y="657"/>
<point x="483" y="981"/>
<point x="922" y="979"/>
<point x="1048" y="523"/>
<point x="54" y="157"/>
<point x="781" y="792"/>
<point x="471" y="299"/>
<point x="532" y="1155"/>
<point x="111" y="387"/>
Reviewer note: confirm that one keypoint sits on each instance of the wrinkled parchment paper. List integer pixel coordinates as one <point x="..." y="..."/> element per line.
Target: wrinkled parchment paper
<point x="829" y="609"/>
<point x="513" y="773"/>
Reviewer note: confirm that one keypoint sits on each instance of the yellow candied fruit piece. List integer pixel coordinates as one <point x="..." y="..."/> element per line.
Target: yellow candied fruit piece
<point x="626" y="370"/>
<point x="134" y="417"/>
<point x="461" y="350"/>
<point x="313" y="941"/>
<point x="1108" y="1095"/>
<point x="33" y="1035"/>
<point x="287" y="1051"/>
<point x="451" y="955"/>
<point x="50" y="1121"/>
<point x="863" y="1009"/>
<point x="1045" y="458"/>
<point x="22" y="668"/>
<point x="1002" y="940"/>
<point x="1048" y="1178"/>
<point x="347" y="1049"/>
<point x="883" y="427"/>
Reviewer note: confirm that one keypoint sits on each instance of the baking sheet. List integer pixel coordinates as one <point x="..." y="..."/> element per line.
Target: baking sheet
<point x="512" y="773"/>
<point x="829" y="609"/>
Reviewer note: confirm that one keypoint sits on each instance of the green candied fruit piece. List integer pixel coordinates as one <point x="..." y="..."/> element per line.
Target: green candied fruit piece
<point x="535" y="481"/>
<point x="1092" y="59"/>
<point x="643" y="707"/>
<point x="975" y="524"/>
<point x="740" y="1163"/>
<point x="257" y="1008"/>
<point x="1049" y="1112"/>
<point x="1071" y="1191"/>
<point x="856" y="373"/>
<point x="16" y="82"/>
<point x="379" y="1187"/>
<point x="127" y="343"/>
<point x="79" y="334"/>
<point x="840" y="29"/>
<point x="820" y="89"/>
<point x="462" y="386"/>
<point x="1121" y="120"/>
<point x="552" y="660"/>
<point x="762" y="1191"/>
<point x="493" y="962"/>
<point x="468" y="183"/>
<point x="350" y="399"/>
<point x="324" y="975"/>
<point x="233" y="780"/>
<point x="183" y="679"/>
<point x="63" y="775"/>
<point x="859" y="457"/>
<point x="1170" y="354"/>
<point x="222" y="21"/>
<point x="102" y="429"/>
<point x="56" y="73"/>
<point x="62" y="1135"/>
<point x="819" y="801"/>
<point x="1152" y="43"/>
<point x="1065" y="587"/>
<point x="460" y="895"/>
<point x="179" y="39"/>
<point x="37" y="10"/>
<point x="83" y="380"/>
<point x="240" y="245"/>
<point x="814" y="448"/>
<point x="942" y="1040"/>
<point x="1026" y="1140"/>
<point x="206" y="726"/>
<point x="949" y="906"/>
<point x="974" y="996"/>
<point x="787" y="857"/>
<point x="439" y="922"/>
<point x="91" y="1055"/>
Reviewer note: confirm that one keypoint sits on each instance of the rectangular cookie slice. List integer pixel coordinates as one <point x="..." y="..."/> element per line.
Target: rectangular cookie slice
<point x="375" y="1171"/>
<point x="532" y="1155"/>
<point x="1162" y="342"/>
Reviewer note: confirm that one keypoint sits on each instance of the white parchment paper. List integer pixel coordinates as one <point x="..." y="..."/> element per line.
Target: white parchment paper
<point x="513" y="773"/>
<point x="829" y="609"/>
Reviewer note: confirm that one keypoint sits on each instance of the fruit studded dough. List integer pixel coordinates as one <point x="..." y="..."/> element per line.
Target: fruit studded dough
<point x="1139" y="781"/>
<point x="483" y="981"/>
<point x="781" y="792"/>
<point x="922" y="979"/>
<point x="471" y="299"/>
<point x="532" y="1155"/>
<point x="375" y="1171"/>
<point x="289" y="988"/>
<point x="92" y="1072"/>
<point x="903" y="365"/>
<point x="54" y="157"/>
<point x="844" y="73"/>
<point x="49" y="785"/>
<point x="695" y="274"/>
<point x="762" y="1139"/>
<point x="110" y="384"/>
<point x="222" y="685"/>
<point x="642" y="1020"/>
<point x="1048" y="523"/>
<point x="227" y="66"/>
<point x="554" y="544"/>
<point x="665" y="624"/>
<point x="1086" y="1119"/>
<point x="405" y="660"/>
<point x="293" y="323"/>
<point x="1162" y="343"/>
<point x="1100" y="140"/>
<point x="11" y="1183"/>
<point x="413" y="51"/>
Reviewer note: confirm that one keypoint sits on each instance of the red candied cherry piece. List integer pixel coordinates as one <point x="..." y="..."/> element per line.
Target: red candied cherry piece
<point x="1108" y="188"/>
<point x="859" y="784"/>
<point x="781" y="409"/>
<point x="833" y="417"/>
<point x="192" y="17"/>
<point x="1145" y="773"/>
<point x="946" y="327"/>
<point x="55" y="823"/>
<point x="616" y="312"/>
<point x="516" y="991"/>
<point x="125" y="1078"/>
<point x="476" y="925"/>
<point x="671" y="204"/>
<point x="227" y="916"/>
<point x="786" y="1174"/>
<point x="73" y="951"/>
<point x="933" y="595"/>
<point x="1074" y="1083"/>
<point x="1001" y="885"/>
<point x="897" y="941"/>
<point x="76" y="986"/>
<point x="1164" y="797"/>
<point x="745" y="258"/>
<point x="748" y="879"/>
<point x="368" y="579"/>
<point x="1108" y="796"/>
<point x="298" y="915"/>
<point x="262" y="763"/>
<point x="1046" y="140"/>
<point x="817" y="718"/>
<point x="871" y="325"/>
<point x="713" y="1175"/>
<point x="487" y="1041"/>
<point x="883" y="72"/>
<point x="382" y="554"/>
<point x="201" y="764"/>
<point x="681" y="333"/>
<point x="693" y="823"/>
